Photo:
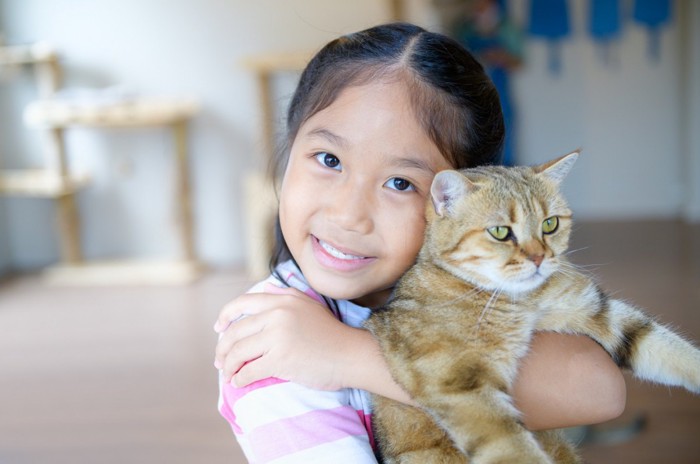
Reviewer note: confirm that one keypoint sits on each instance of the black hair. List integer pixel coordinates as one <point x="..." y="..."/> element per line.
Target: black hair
<point x="454" y="100"/>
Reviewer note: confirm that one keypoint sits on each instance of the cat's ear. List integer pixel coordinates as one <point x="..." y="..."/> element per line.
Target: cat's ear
<point x="447" y="188"/>
<point x="558" y="169"/>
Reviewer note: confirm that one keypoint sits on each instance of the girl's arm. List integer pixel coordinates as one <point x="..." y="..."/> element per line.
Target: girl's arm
<point x="568" y="380"/>
<point x="564" y="380"/>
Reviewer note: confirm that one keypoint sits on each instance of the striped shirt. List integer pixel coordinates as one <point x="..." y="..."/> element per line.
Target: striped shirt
<point x="282" y="422"/>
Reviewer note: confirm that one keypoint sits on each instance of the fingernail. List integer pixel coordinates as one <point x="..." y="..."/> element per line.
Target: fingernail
<point x="218" y="364"/>
<point x="217" y="327"/>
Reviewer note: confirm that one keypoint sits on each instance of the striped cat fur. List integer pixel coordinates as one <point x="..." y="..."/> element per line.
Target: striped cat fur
<point x="492" y="271"/>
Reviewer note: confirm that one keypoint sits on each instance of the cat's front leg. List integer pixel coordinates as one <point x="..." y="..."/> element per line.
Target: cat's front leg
<point x="468" y="397"/>
<point x="408" y="435"/>
<point x="486" y="427"/>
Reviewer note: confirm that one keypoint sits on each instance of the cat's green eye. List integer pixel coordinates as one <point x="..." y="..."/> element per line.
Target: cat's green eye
<point x="499" y="232"/>
<point x="550" y="225"/>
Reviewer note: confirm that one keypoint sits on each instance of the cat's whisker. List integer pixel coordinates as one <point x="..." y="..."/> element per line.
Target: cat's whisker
<point x="577" y="249"/>
<point x="586" y="265"/>
<point x="569" y="269"/>
<point x="487" y="307"/>
<point x="474" y="292"/>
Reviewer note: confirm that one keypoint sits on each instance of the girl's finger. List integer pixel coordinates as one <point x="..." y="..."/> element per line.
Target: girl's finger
<point x="253" y="303"/>
<point x="243" y="329"/>
<point x="246" y="351"/>
<point x="244" y="305"/>
<point x="251" y="372"/>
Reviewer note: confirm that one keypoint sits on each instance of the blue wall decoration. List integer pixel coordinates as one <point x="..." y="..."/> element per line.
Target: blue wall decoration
<point x="604" y="24"/>
<point x="653" y="14"/>
<point x="550" y="19"/>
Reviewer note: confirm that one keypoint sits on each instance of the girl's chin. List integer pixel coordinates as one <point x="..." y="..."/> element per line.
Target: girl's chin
<point x="340" y="288"/>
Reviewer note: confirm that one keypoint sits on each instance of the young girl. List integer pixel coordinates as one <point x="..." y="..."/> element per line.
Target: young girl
<point x="375" y="116"/>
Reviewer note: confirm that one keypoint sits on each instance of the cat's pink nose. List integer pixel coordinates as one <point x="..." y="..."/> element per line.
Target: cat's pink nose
<point x="537" y="259"/>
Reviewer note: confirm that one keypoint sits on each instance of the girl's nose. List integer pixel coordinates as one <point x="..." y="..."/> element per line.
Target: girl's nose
<point x="351" y="208"/>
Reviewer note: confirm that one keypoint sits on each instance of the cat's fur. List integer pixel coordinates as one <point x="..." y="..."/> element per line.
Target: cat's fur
<point x="462" y="317"/>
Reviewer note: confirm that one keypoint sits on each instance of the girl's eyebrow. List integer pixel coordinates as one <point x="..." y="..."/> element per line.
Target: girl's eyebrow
<point x="329" y="136"/>
<point x="416" y="162"/>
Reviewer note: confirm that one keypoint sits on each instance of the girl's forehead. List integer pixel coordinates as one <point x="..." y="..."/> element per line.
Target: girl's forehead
<point x="380" y="112"/>
<point x="381" y="95"/>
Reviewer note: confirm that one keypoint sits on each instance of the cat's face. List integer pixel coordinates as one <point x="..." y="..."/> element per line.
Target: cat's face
<point x="501" y="228"/>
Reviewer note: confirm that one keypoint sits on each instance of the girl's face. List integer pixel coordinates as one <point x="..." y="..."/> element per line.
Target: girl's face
<point x="353" y="196"/>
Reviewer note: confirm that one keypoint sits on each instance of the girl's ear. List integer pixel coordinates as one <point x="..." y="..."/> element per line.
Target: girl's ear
<point x="557" y="169"/>
<point x="447" y="188"/>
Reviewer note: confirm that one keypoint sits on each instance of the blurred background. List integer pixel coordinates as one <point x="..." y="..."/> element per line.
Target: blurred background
<point x="134" y="138"/>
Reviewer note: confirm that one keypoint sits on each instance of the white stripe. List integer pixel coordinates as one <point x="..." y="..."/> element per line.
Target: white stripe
<point x="360" y="400"/>
<point x="352" y="314"/>
<point x="283" y="400"/>
<point x="244" y="443"/>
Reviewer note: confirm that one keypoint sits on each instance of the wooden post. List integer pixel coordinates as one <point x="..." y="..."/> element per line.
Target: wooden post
<point x="267" y="115"/>
<point x="55" y="151"/>
<point x="183" y="194"/>
<point x="66" y="207"/>
<point x="48" y="76"/>
<point x="397" y="10"/>
<point x="69" y="229"/>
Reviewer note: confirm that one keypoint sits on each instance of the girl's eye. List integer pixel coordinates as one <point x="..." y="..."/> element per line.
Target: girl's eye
<point x="402" y="185"/>
<point x="328" y="160"/>
<point x="501" y="233"/>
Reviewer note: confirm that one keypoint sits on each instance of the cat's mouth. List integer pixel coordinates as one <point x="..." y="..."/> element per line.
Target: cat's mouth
<point x="526" y="283"/>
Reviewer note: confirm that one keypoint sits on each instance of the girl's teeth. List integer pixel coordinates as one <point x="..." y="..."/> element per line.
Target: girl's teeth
<point x="337" y="253"/>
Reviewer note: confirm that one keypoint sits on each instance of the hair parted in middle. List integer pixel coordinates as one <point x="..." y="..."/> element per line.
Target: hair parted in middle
<point x="452" y="97"/>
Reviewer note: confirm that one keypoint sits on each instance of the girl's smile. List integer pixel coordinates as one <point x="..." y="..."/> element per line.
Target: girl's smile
<point x="333" y="258"/>
<point x="353" y="195"/>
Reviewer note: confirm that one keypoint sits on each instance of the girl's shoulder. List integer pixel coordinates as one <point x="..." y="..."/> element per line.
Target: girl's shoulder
<point x="288" y="274"/>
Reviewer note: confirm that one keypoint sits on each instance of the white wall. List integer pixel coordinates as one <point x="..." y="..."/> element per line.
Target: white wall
<point x="691" y="126"/>
<point x="625" y="115"/>
<point x="4" y="242"/>
<point x="628" y="118"/>
<point x="158" y="47"/>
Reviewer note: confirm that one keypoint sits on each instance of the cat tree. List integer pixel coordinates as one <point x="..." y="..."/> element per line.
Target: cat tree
<point x="52" y="117"/>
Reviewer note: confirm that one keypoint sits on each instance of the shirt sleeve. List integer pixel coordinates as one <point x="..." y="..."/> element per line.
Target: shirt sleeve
<point x="281" y="422"/>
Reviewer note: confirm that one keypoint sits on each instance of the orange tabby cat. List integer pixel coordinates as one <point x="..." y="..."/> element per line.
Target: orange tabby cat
<point x="492" y="271"/>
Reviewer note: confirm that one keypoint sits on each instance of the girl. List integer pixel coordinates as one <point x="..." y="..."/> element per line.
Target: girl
<point x="375" y="116"/>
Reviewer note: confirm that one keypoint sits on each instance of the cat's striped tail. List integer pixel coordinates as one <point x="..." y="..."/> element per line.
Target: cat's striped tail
<point x="650" y="350"/>
<point x="633" y="339"/>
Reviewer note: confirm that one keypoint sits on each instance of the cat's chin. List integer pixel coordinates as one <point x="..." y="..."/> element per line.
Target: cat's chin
<point x="523" y="286"/>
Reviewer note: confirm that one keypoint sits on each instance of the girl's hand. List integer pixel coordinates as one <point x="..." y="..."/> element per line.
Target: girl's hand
<point x="281" y="333"/>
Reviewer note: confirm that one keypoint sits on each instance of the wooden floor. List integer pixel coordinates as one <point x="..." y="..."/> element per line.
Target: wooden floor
<point x="125" y="375"/>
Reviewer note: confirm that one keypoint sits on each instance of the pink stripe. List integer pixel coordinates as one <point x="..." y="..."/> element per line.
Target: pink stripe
<point x="367" y="422"/>
<point x="287" y="436"/>
<point x="231" y="394"/>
